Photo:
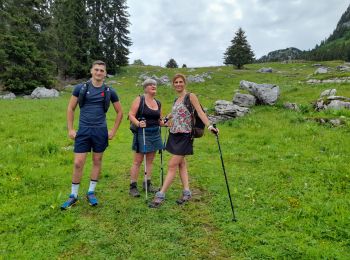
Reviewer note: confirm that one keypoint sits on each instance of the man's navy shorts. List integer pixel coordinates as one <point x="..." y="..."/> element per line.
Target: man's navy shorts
<point x="87" y="138"/>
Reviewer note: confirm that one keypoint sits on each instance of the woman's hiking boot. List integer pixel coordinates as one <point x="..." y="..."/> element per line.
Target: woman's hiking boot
<point x="134" y="192"/>
<point x="150" y="187"/>
<point x="158" y="200"/>
<point x="186" y="196"/>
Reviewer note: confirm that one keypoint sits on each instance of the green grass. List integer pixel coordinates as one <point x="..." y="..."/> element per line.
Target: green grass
<point x="289" y="179"/>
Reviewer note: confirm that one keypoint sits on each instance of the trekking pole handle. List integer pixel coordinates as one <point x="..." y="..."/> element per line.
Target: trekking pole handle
<point x="141" y="119"/>
<point x="216" y="132"/>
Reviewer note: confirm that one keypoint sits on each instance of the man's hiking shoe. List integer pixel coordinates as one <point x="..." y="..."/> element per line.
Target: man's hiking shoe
<point x="91" y="198"/>
<point x="150" y="187"/>
<point x="134" y="192"/>
<point x="186" y="196"/>
<point x="157" y="201"/>
<point x="70" y="202"/>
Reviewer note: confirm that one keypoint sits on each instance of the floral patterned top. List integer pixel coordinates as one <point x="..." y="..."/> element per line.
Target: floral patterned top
<point x="181" y="119"/>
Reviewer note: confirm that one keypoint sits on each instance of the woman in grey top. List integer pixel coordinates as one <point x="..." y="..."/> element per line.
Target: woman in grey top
<point x="148" y="124"/>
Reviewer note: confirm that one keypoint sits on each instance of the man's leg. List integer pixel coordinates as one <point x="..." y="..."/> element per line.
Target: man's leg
<point x="96" y="170"/>
<point x="79" y="162"/>
<point x="95" y="173"/>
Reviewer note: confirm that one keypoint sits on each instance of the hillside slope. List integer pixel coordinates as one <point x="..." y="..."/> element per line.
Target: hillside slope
<point x="288" y="174"/>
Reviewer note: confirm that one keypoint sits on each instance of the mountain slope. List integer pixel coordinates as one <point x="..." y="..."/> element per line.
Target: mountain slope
<point x="336" y="47"/>
<point x="280" y="55"/>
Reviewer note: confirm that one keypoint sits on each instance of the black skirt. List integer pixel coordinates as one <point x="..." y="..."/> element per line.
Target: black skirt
<point x="179" y="144"/>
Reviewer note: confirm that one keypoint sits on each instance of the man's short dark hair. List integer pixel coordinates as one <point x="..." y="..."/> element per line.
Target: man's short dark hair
<point x="98" y="62"/>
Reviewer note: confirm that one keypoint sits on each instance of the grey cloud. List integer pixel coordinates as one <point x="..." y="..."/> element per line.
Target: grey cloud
<point x="197" y="32"/>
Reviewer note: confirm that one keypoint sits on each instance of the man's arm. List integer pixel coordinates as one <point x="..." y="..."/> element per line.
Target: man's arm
<point x="70" y="116"/>
<point x="118" y="109"/>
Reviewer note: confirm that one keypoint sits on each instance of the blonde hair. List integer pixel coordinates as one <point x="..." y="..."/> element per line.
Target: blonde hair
<point x="179" y="75"/>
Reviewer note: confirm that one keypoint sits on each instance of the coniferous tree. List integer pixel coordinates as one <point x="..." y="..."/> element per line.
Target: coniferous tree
<point x="114" y="31"/>
<point x="72" y="38"/>
<point x="24" y="64"/>
<point x="95" y="14"/>
<point x="171" y="64"/>
<point x="239" y="52"/>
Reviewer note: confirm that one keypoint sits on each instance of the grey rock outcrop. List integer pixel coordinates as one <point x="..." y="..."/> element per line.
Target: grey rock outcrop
<point x="338" y="104"/>
<point x="8" y="96"/>
<point x="291" y="106"/>
<point x="244" y="100"/>
<point x="226" y="110"/>
<point x="41" y="92"/>
<point x="198" y="78"/>
<point x="321" y="70"/>
<point x="265" y="70"/>
<point x="332" y="102"/>
<point x="343" y="68"/>
<point x="334" y="122"/>
<point x="265" y="93"/>
<point x="328" y="92"/>
<point x="334" y="80"/>
<point x="163" y="80"/>
<point x="223" y="107"/>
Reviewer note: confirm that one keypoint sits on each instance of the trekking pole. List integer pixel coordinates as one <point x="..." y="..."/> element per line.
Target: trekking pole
<point x="223" y="168"/>
<point x="161" y="160"/>
<point x="145" y="161"/>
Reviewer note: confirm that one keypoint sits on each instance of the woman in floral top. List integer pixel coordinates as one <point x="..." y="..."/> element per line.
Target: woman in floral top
<point x="180" y="141"/>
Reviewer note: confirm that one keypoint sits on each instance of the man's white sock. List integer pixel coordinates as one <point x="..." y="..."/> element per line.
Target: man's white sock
<point x="92" y="186"/>
<point x="75" y="189"/>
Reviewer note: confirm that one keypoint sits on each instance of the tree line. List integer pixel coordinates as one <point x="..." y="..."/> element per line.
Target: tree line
<point x="41" y="40"/>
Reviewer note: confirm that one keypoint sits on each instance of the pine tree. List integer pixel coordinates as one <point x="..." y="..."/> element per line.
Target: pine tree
<point x="240" y="52"/>
<point x="171" y="64"/>
<point x="95" y="17"/>
<point x="114" y="31"/>
<point x="72" y="38"/>
<point x="24" y="64"/>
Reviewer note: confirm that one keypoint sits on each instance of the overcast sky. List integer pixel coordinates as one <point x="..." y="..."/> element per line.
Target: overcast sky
<point x="197" y="32"/>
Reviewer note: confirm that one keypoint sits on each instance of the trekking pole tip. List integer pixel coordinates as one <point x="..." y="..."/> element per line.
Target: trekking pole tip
<point x="234" y="220"/>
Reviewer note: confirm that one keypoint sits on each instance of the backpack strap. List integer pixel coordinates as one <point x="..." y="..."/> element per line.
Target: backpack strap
<point x="107" y="97"/>
<point x="82" y="93"/>
<point x="187" y="102"/>
<point x="141" y="107"/>
<point x="159" y="104"/>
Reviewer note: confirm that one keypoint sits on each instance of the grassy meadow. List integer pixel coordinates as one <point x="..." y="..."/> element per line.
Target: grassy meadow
<point x="289" y="177"/>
